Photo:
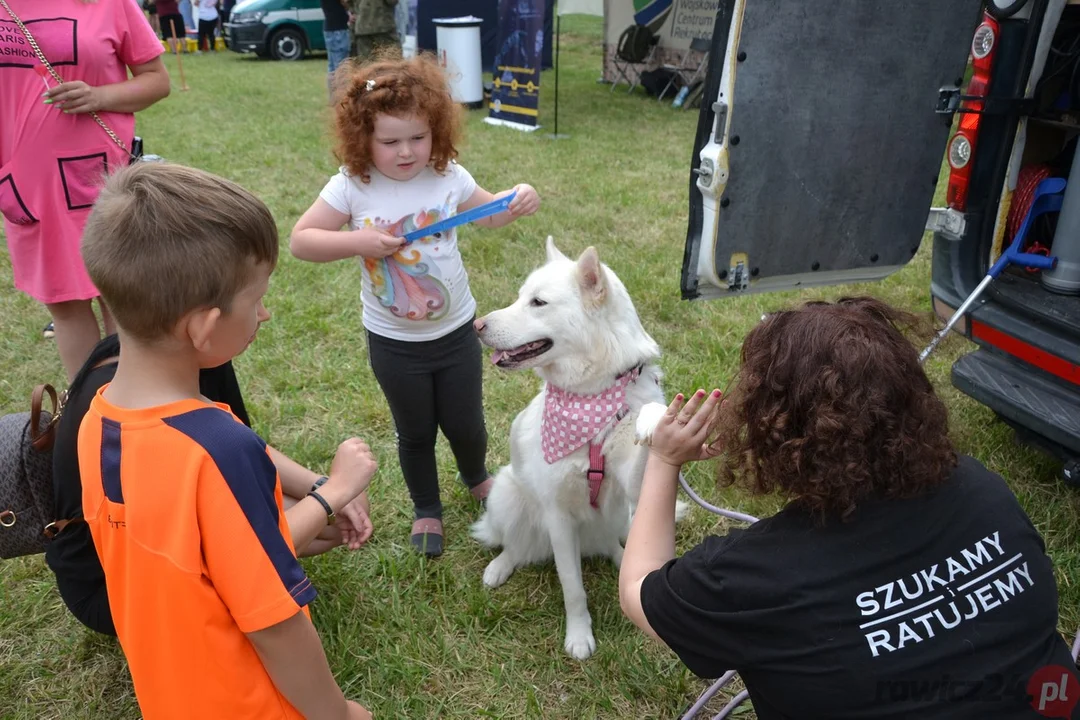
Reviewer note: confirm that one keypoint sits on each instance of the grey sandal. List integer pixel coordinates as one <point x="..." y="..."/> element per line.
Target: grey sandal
<point x="427" y="536"/>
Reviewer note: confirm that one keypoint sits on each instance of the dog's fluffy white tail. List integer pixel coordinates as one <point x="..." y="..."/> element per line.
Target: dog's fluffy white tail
<point x="485" y="532"/>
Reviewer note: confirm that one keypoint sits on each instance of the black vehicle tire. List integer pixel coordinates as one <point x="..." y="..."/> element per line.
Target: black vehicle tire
<point x="287" y="44"/>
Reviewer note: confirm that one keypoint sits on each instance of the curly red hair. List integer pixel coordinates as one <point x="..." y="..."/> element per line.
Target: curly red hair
<point x="401" y="87"/>
<point x="831" y="407"/>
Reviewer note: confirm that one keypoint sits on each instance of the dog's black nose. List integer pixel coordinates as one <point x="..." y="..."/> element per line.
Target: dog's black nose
<point x="479" y="324"/>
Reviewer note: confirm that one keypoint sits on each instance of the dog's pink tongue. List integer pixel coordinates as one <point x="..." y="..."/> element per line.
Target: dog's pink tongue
<point x="497" y="356"/>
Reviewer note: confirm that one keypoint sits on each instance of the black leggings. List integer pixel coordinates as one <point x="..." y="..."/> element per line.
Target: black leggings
<point x="432" y="385"/>
<point x="206" y="32"/>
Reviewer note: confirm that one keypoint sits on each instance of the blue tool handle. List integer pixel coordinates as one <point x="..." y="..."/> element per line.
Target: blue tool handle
<point x="1041" y="262"/>
<point x="1012" y="257"/>
<point x="477" y="213"/>
<point x="1047" y="198"/>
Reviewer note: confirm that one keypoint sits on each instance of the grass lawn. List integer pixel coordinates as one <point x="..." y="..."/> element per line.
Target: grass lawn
<point x="420" y="639"/>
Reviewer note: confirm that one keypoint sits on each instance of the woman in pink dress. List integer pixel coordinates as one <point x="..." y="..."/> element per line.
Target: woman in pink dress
<point x="53" y="154"/>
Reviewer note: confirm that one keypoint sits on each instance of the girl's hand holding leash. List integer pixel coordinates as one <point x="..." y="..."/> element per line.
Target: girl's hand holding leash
<point x="682" y="433"/>
<point x="526" y="203"/>
<point x="375" y="243"/>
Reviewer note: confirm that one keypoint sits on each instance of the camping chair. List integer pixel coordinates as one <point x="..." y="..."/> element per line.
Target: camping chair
<point x="706" y="696"/>
<point x="688" y="72"/>
<point x="636" y="47"/>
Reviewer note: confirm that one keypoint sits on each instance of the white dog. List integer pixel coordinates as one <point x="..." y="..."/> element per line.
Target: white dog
<point x="575" y="466"/>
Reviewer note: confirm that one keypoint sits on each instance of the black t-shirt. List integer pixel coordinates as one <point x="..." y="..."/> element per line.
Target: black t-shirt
<point x="942" y="606"/>
<point x="71" y="555"/>
<point x="336" y="17"/>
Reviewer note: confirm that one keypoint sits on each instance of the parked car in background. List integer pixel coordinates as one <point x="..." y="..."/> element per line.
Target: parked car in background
<point x="277" y="29"/>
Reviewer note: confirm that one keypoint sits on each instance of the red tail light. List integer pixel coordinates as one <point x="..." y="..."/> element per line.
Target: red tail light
<point x="961" y="150"/>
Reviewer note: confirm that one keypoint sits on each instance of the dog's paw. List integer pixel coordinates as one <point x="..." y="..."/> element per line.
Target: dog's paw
<point x="681" y="510"/>
<point x="648" y="418"/>
<point x="580" y="643"/>
<point x="498" y="571"/>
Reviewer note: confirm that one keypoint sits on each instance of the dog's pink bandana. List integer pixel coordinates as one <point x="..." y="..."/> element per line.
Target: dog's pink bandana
<point x="571" y="419"/>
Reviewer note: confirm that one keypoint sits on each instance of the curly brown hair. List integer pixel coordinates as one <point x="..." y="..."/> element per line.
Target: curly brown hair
<point x="830" y="407"/>
<point x="402" y="87"/>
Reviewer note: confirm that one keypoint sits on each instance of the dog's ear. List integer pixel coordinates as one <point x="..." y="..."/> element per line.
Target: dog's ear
<point x="591" y="278"/>
<point x="554" y="253"/>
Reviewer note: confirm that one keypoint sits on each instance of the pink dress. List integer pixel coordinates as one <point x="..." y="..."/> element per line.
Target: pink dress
<point x="52" y="164"/>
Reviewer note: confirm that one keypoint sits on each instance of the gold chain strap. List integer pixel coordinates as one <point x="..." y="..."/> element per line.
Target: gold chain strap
<point x="56" y="76"/>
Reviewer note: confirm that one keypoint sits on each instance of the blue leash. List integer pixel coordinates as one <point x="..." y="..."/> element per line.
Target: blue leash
<point x="477" y="213"/>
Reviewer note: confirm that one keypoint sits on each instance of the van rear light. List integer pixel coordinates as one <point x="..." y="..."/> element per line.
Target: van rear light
<point x="963" y="144"/>
<point x="959" y="151"/>
<point x="959" y="158"/>
<point x="983" y="42"/>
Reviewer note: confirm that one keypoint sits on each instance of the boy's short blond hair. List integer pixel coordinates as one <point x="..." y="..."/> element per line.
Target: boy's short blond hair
<point x="164" y="240"/>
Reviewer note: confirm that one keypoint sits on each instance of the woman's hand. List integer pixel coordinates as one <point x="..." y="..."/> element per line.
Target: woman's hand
<point x="148" y="83"/>
<point x="681" y="434"/>
<point x="75" y="97"/>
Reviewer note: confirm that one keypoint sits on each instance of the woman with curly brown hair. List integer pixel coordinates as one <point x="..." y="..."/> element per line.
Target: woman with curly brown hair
<point x="900" y="580"/>
<point x="397" y="129"/>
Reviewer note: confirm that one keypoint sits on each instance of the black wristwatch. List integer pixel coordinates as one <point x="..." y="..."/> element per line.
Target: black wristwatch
<point x="320" y="482"/>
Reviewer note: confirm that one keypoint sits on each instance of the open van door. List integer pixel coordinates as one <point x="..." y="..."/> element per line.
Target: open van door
<point x="820" y="139"/>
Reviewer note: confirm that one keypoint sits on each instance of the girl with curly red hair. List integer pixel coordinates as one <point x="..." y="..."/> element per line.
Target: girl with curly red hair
<point x="900" y="580"/>
<point x="397" y="128"/>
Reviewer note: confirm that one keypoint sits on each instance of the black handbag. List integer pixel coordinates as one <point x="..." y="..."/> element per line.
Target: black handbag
<point x="27" y="519"/>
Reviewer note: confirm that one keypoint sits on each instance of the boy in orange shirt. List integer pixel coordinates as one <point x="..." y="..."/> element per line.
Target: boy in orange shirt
<point x="183" y="500"/>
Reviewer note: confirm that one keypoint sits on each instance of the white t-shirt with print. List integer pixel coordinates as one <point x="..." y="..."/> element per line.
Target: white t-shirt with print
<point x="422" y="291"/>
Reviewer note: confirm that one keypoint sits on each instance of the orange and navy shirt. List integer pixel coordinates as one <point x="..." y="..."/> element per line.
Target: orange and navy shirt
<point x="185" y="508"/>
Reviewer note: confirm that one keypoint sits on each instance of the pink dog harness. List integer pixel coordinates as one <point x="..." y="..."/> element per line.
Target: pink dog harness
<point x="572" y="419"/>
